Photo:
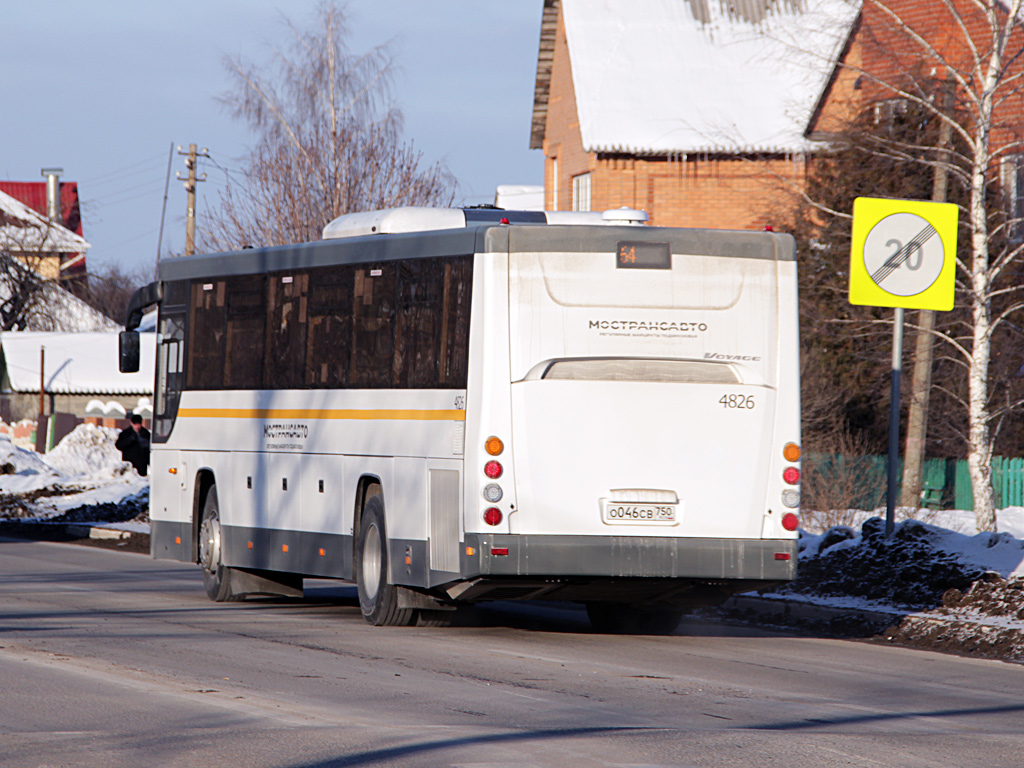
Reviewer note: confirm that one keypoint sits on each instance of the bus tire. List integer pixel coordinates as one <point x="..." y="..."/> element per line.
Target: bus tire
<point x="378" y="598"/>
<point x="216" y="576"/>
<point x="622" y="619"/>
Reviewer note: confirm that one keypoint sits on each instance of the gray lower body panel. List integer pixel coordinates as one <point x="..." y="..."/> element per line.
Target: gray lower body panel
<point x="630" y="556"/>
<point x="503" y="566"/>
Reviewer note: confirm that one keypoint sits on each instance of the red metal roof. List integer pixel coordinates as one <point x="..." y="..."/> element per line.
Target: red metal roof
<point x="33" y="194"/>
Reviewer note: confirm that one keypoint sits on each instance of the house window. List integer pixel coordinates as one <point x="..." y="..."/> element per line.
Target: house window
<point x="887" y="110"/>
<point x="581" y="192"/>
<point x="1012" y="173"/>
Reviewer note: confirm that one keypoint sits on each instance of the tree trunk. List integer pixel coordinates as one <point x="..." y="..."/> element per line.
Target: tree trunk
<point x="979" y="457"/>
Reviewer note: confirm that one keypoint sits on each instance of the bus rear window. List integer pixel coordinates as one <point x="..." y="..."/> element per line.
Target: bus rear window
<point x="620" y="369"/>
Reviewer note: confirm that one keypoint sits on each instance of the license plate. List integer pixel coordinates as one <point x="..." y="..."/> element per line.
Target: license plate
<point x="625" y="513"/>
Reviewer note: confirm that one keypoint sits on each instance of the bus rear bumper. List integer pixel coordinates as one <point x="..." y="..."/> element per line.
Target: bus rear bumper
<point x="761" y="560"/>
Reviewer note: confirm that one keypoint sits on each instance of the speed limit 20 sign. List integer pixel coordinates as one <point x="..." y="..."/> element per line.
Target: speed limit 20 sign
<point x="903" y="253"/>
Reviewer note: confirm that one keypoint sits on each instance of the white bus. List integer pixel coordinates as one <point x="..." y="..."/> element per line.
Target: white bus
<point x="451" y="406"/>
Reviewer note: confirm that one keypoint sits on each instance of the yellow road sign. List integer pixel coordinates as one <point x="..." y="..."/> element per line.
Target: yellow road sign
<point x="903" y="253"/>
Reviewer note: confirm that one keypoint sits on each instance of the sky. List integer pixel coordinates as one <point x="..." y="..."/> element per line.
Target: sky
<point x="108" y="90"/>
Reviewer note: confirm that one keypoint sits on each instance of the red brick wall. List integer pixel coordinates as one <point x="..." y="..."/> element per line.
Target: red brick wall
<point x="562" y="138"/>
<point x="884" y="47"/>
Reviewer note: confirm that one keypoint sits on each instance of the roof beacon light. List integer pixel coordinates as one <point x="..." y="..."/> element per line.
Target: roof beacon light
<point x="625" y="216"/>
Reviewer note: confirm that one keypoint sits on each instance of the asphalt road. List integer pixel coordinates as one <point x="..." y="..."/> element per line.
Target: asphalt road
<point x="111" y="659"/>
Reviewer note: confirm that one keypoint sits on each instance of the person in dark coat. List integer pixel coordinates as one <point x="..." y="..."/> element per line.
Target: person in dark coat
<point x="133" y="442"/>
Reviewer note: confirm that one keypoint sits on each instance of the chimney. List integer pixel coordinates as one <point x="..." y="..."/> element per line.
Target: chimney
<point x="52" y="176"/>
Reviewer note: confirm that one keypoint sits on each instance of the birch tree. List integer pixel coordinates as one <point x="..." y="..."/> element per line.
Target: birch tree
<point x="903" y="47"/>
<point x="328" y="141"/>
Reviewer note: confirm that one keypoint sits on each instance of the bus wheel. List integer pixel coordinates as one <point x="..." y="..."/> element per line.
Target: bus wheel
<point x="620" y="619"/>
<point x="216" y="577"/>
<point x="378" y="599"/>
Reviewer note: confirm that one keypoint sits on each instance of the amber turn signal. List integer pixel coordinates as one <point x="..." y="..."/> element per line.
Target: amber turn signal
<point x="494" y="446"/>
<point x="791" y="452"/>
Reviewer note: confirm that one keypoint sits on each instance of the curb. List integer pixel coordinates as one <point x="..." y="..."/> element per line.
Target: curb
<point x="65" y="531"/>
<point x="835" y="619"/>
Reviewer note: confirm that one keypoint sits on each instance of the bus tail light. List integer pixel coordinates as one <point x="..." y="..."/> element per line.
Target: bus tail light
<point x="790" y="521"/>
<point x="493" y="469"/>
<point x="791" y="498"/>
<point x="494" y="446"/>
<point x="791" y="475"/>
<point x="492" y="516"/>
<point x="791" y="452"/>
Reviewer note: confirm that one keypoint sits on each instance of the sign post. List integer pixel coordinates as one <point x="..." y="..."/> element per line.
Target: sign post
<point x="902" y="255"/>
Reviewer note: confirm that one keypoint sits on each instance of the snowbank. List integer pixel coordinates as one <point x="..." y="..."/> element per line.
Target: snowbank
<point x="84" y="470"/>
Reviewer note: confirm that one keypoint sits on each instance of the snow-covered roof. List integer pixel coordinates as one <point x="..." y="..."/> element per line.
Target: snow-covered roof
<point x="24" y="229"/>
<point x="62" y="311"/>
<point x="667" y="76"/>
<point x="76" y="363"/>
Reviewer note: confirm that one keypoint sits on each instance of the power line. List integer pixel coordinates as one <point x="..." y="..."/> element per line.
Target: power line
<point x="108" y="174"/>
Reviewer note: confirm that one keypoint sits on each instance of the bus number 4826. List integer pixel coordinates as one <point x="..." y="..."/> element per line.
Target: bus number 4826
<point x="737" y="401"/>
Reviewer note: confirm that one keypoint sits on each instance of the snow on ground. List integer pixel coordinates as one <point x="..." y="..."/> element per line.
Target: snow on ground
<point x="83" y="473"/>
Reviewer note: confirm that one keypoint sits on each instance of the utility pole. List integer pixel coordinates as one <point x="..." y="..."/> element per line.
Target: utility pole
<point x="917" y="416"/>
<point x="190" y="187"/>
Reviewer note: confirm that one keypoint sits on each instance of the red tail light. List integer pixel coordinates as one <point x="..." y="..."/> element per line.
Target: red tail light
<point x="492" y="516"/>
<point x="791" y="475"/>
<point x="790" y="521"/>
<point x="493" y="470"/>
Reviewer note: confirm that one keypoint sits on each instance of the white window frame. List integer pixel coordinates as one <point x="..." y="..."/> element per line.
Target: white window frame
<point x="554" y="183"/>
<point x="581" y="192"/>
<point x="1012" y="181"/>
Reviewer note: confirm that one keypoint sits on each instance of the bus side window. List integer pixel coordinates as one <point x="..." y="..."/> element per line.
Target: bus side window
<point x="373" y="318"/>
<point x="329" y="327"/>
<point x="418" y="323"/>
<point x="287" y="308"/>
<point x="246" y="329"/>
<point x="454" y="352"/>
<point x="206" y="335"/>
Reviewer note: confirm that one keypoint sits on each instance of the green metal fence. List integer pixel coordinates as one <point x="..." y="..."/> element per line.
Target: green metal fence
<point x="1008" y="479"/>
<point x="946" y="483"/>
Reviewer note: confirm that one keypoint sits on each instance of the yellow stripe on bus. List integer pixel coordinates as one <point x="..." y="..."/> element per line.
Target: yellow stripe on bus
<point x="394" y="414"/>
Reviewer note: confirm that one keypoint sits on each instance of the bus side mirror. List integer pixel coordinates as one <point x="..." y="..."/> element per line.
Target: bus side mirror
<point x="128" y="351"/>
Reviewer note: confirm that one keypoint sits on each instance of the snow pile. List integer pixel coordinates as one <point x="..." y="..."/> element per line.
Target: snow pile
<point x="88" y="452"/>
<point x="925" y="586"/>
<point x="911" y="569"/>
<point x="84" y="471"/>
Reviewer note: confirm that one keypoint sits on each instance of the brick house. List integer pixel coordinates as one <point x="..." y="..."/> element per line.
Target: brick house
<point x="708" y="118"/>
<point x="678" y="108"/>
